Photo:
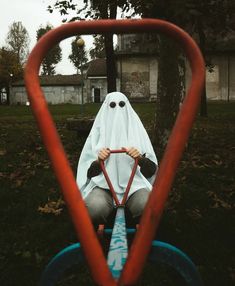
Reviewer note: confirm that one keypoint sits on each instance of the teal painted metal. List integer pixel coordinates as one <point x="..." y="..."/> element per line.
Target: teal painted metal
<point x="128" y="230"/>
<point x="118" y="248"/>
<point x="66" y="258"/>
<point x="170" y="255"/>
<point x="161" y="252"/>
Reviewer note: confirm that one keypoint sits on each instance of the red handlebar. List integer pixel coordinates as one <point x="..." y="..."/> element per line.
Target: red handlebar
<point x="123" y="150"/>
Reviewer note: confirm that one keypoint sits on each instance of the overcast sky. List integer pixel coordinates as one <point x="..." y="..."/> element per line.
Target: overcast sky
<point x="32" y="14"/>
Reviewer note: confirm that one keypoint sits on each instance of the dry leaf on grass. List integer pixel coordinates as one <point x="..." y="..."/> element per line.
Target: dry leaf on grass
<point x="2" y="152"/>
<point x="194" y="213"/>
<point x="52" y="207"/>
<point x="218" y="202"/>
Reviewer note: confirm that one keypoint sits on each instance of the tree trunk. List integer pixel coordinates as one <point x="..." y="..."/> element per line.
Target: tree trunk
<point x="109" y="11"/>
<point x="8" y="95"/>
<point x="202" y="45"/>
<point x="203" y="106"/>
<point x="170" y="91"/>
<point x="0" y="96"/>
<point x="110" y="63"/>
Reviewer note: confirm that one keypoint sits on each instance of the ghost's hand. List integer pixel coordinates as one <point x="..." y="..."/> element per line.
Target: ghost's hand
<point x="103" y="154"/>
<point x="133" y="152"/>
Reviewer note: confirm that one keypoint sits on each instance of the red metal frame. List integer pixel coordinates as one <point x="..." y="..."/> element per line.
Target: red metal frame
<point x="102" y="164"/>
<point x="151" y="217"/>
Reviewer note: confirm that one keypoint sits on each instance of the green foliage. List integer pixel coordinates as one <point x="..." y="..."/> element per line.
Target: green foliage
<point x="10" y="69"/>
<point x="78" y="55"/>
<point x="53" y="57"/>
<point x="18" y="41"/>
<point x="98" y="51"/>
<point x="91" y="9"/>
<point x="215" y="16"/>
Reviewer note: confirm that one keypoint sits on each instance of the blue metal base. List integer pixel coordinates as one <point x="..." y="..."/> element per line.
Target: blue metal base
<point x="118" y="249"/>
<point x="65" y="259"/>
<point x="161" y="252"/>
<point x="168" y="254"/>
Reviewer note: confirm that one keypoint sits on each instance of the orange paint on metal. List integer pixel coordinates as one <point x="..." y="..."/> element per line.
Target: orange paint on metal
<point x="151" y="217"/>
<point x="102" y="165"/>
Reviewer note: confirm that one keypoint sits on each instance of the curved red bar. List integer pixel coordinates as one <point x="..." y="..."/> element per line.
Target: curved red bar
<point x="109" y="182"/>
<point x="166" y="173"/>
<point x="102" y="165"/>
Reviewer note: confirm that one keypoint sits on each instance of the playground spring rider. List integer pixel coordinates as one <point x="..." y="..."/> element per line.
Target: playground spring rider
<point x="141" y="246"/>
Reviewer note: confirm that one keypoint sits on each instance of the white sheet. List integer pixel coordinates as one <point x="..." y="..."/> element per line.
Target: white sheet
<point x="115" y="128"/>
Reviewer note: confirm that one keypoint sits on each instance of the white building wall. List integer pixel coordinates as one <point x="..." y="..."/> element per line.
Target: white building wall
<point x="53" y="94"/>
<point x="135" y="77"/>
<point x="99" y="83"/>
<point x="18" y="95"/>
<point x="212" y="83"/>
<point x="220" y="83"/>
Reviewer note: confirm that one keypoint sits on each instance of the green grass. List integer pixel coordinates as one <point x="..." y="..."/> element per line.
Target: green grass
<point x="199" y="216"/>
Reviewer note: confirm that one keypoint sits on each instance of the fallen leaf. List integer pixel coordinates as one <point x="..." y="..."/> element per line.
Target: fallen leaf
<point x="194" y="213"/>
<point x="218" y="202"/>
<point x="2" y="175"/>
<point x="14" y="175"/>
<point x="3" y="152"/>
<point x="218" y="163"/>
<point x="18" y="183"/>
<point x="52" y="207"/>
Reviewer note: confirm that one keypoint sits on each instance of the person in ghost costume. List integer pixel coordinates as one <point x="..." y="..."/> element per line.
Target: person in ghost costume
<point x="116" y="126"/>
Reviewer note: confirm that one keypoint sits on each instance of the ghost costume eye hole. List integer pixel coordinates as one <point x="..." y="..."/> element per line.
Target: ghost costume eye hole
<point x="122" y="103"/>
<point x="112" y="104"/>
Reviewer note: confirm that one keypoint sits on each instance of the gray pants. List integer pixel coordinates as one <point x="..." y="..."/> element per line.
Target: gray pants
<point x="100" y="204"/>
